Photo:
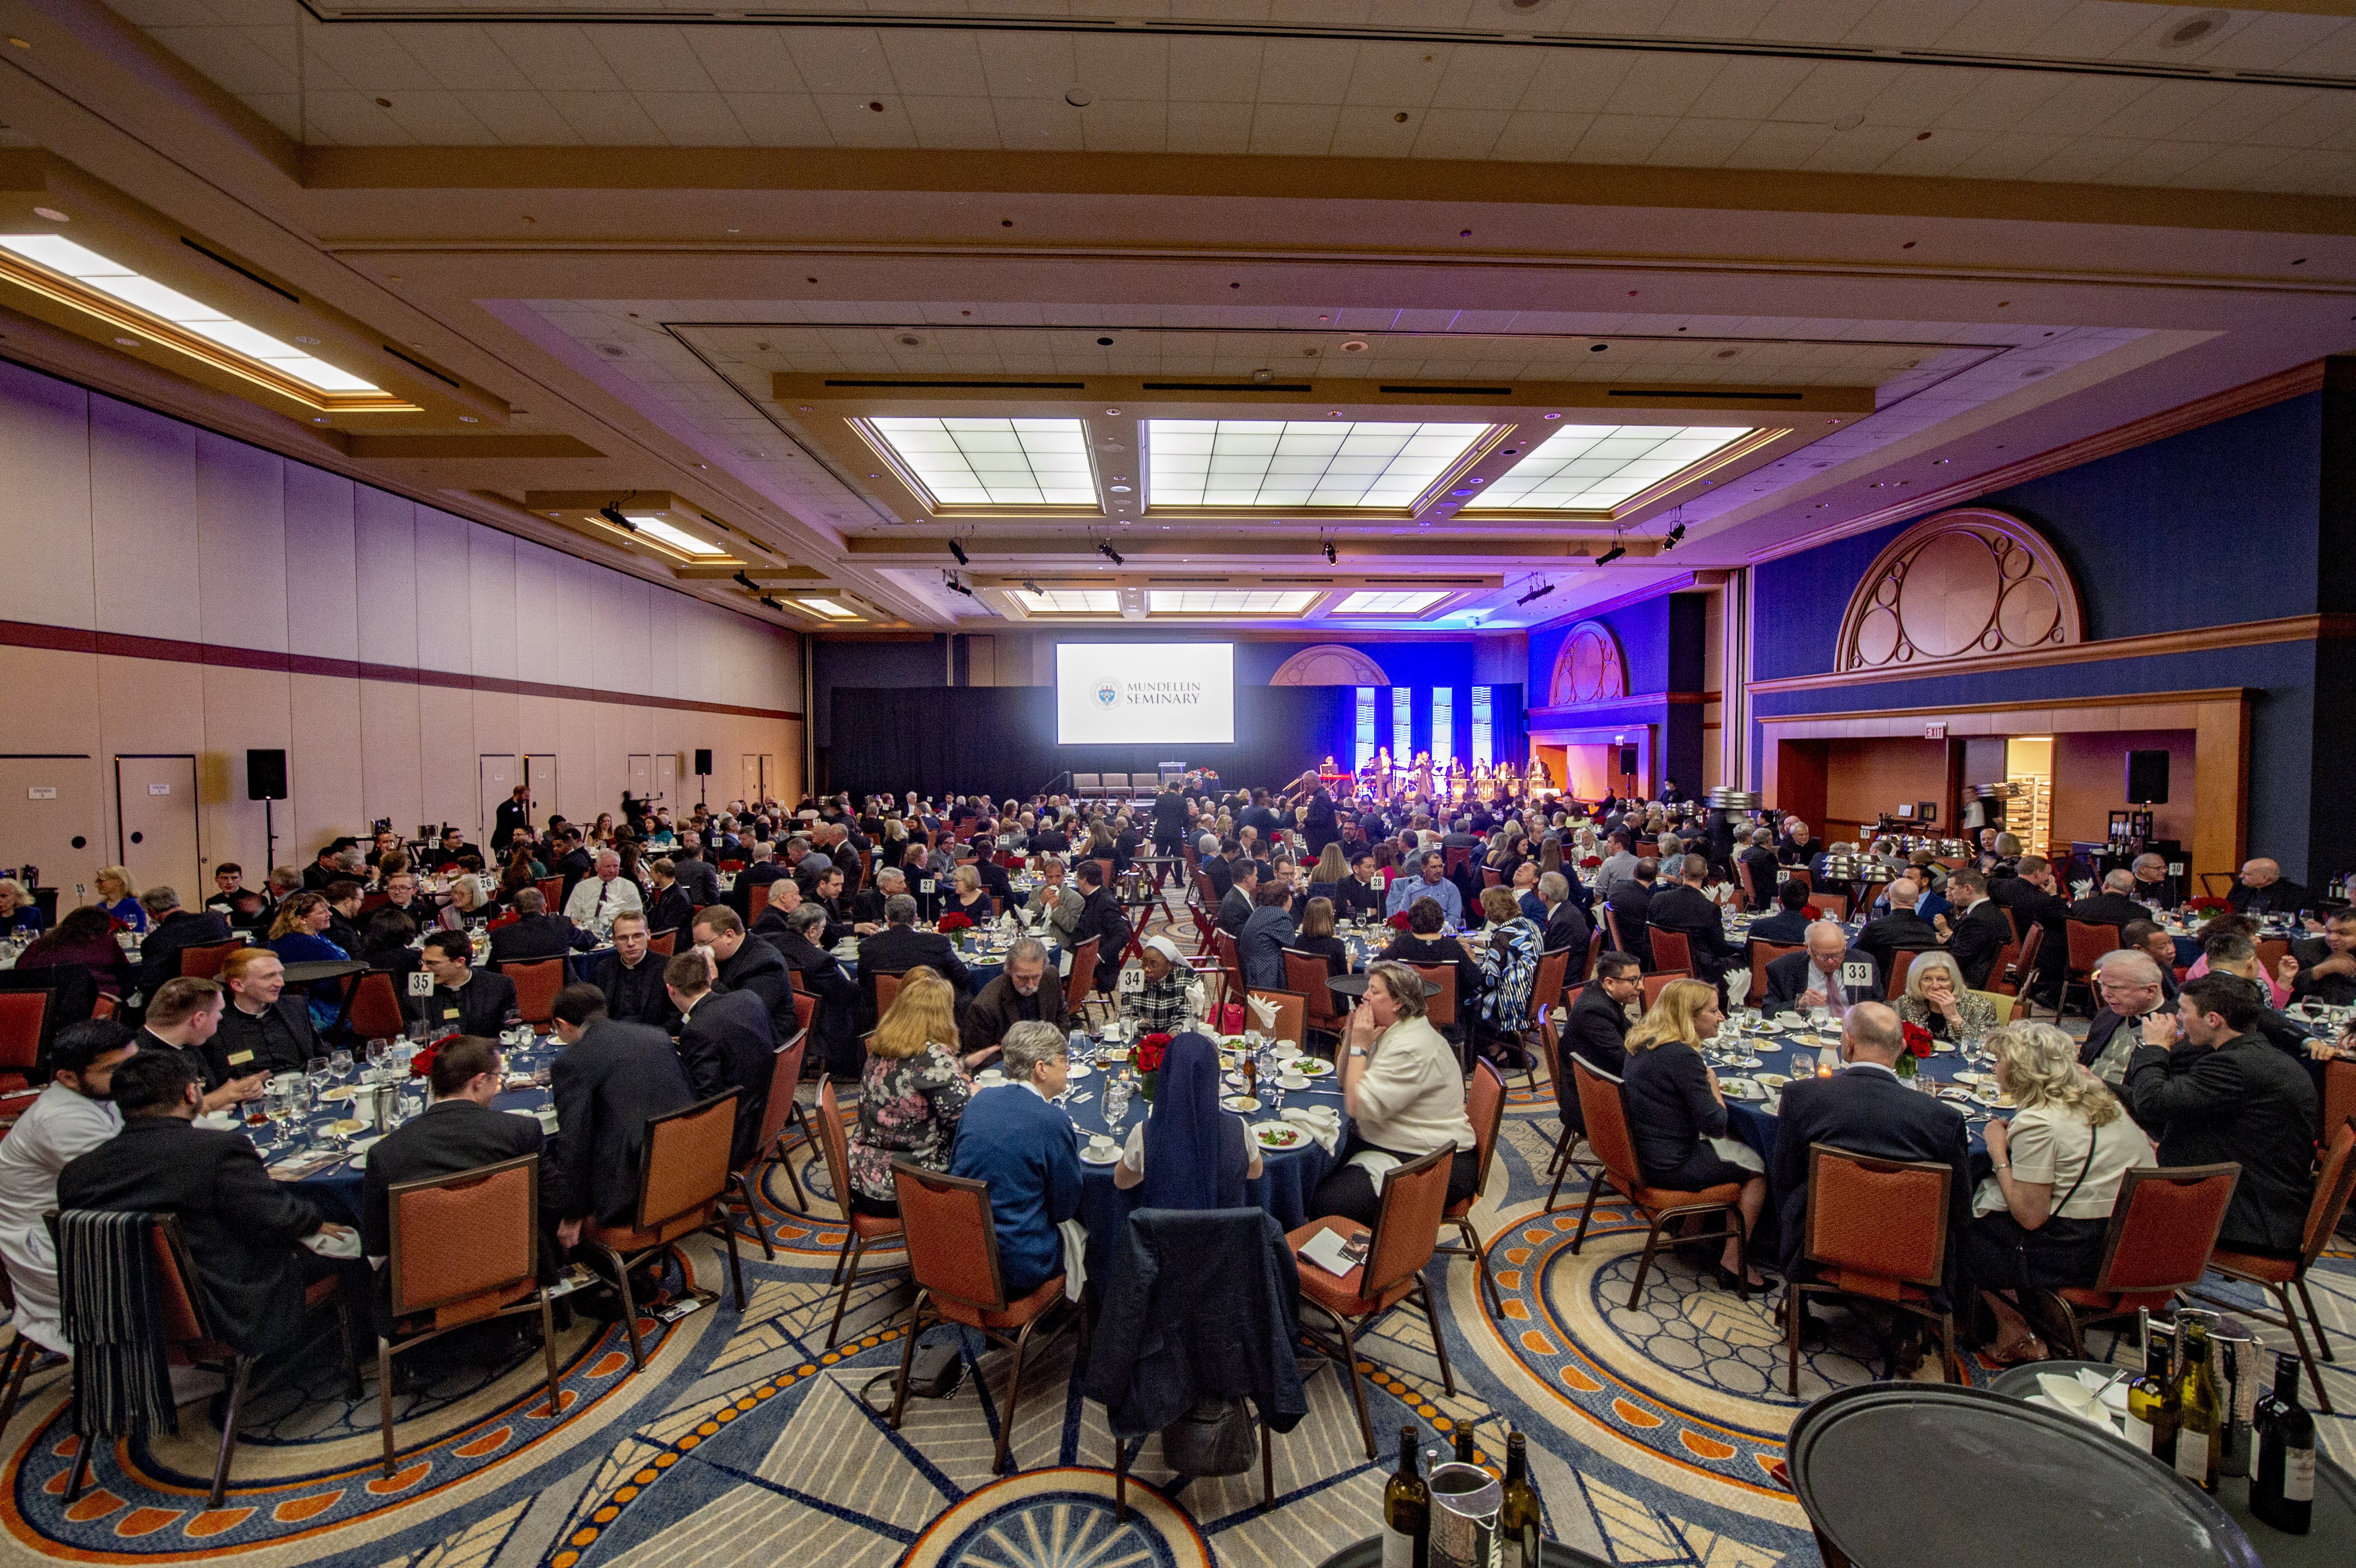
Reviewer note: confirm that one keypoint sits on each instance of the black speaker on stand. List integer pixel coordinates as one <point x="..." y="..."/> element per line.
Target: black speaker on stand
<point x="265" y="781"/>
<point x="2146" y="778"/>
<point x="703" y="772"/>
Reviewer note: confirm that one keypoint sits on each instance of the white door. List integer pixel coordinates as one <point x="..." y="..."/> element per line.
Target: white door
<point x="751" y="786"/>
<point x="667" y="780"/>
<point x="51" y="808"/>
<point x="156" y="822"/>
<point x="539" y="777"/>
<point x="498" y="782"/>
<point x="642" y="775"/>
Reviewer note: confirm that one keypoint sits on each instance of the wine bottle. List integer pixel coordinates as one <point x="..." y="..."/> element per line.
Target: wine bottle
<point x="1464" y="1445"/>
<point x="1518" y="1531"/>
<point x="2201" y="1421"/>
<point x="2152" y="1403"/>
<point x="1406" y="1511"/>
<point x="2282" y="1478"/>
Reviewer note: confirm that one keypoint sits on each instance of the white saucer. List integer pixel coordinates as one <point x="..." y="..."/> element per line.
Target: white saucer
<point x="1100" y="1157"/>
<point x="1242" y="1102"/>
<point x="1293" y="1081"/>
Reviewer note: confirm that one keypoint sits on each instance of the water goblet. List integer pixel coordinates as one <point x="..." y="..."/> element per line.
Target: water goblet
<point x="339" y="1064"/>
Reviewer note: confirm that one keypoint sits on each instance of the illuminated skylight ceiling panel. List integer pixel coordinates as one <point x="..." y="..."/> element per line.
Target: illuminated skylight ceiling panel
<point x="1375" y="601"/>
<point x="1226" y="602"/>
<point x="1595" y="467"/>
<point x="679" y="539"/>
<point x="993" y="462"/>
<point x="93" y="271"/>
<point x="1296" y="463"/>
<point x="828" y="608"/>
<point x="1071" y="601"/>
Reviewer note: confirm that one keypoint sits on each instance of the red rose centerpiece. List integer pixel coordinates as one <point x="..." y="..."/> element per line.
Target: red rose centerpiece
<point x="1917" y="1049"/>
<point x="1150" y="1051"/>
<point x="953" y="921"/>
<point x="1398" y="920"/>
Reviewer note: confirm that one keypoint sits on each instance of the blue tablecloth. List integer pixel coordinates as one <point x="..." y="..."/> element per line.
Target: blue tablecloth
<point x="1287" y="1176"/>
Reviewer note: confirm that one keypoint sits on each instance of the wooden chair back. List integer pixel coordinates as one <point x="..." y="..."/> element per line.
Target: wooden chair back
<point x="1406" y="1227"/>
<point x="376" y="1008"/>
<point x="1671" y="954"/>
<point x="465" y="1244"/>
<point x="1601" y="1107"/>
<point x="2332" y="1186"/>
<point x="1485" y="1106"/>
<point x="887" y="991"/>
<point x="1307" y="974"/>
<point x="1762" y="954"/>
<point x="834" y="1145"/>
<point x="1554" y="970"/>
<point x="1084" y="970"/>
<point x="664" y="943"/>
<point x="784" y="1075"/>
<point x="552" y="894"/>
<point x="951" y="1235"/>
<point x="23" y="1015"/>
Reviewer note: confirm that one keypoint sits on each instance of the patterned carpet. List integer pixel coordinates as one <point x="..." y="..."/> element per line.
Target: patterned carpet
<point x="1655" y="1433"/>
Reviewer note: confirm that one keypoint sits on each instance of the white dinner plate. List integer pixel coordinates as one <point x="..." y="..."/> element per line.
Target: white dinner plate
<point x="1278" y="1135"/>
<point x="1743" y="1088"/>
<point x="1943" y="1046"/>
<point x="1077" y="1070"/>
<point x="1313" y="1067"/>
<point x="1242" y="1102"/>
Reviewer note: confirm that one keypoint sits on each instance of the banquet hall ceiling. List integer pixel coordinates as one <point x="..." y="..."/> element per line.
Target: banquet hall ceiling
<point x="587" y="254"/>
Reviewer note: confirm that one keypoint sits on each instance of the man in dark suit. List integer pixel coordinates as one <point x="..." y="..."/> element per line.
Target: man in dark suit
<point x="515" y="812"/>
<point x="834" y="1023"/>
<point x="2214" y="1089"/>
<point x="1766" y="869"/>
<point x="2263" y="890"/>
<point x="464" y="999"/>
<point x="1902" y="928"/>
<point x="746" y="963"/>
<point x="1596" y="1028"/>
<point x="667" y="906"/>
<point x="243" y="1229"/>
<point x="765" y="870"/>
<point x="696" y="878"/>
<point x="1221" y="868"/>
<point x="1788" y="926"/>
<point x="992" y="875"/>
<point x="1357" y="898"/>
<point x="725" y="1042"/>
<point x="2114" y="905"/>
<point x="536" y="933"/>
<point x="263" y="1029"/>
<point x="1566" y="929"/>
<point x="171" y="930"/>
<point x="900" y="947"/>
<point x="1866" y="1110"/>
<point x="1687" y="911"/>
<point x="1630" y="904"/>
<point x="572" y="861"/>
<point x="2326" y="964"/>
<point x="1979" y="931"/>
<point x="2129" y="985"/>
<point x="2033" y="897"/>
<point x="1819" y="975"/>
<point x="1101" y="917"/>
<point x="1798" y="847"/>
<point x="611" y="1077"/>
<point x="459" y="1131"/>
<point x="333" y="864"/>
<point x="630" y="977"/>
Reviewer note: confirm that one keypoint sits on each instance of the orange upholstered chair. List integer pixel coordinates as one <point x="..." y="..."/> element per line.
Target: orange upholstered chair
<point x="1671" y="953"/>
<point x="2280" y="1276"/>
<point x="1485" y="1103"/>
<point x="24" y="1018"/>
<point x="859" y="1231"/>
<point x="205" y="963"/>
<point x="953" y="1253"/>
<point x="1761" y="954"/>
<point x="1601" y="1107"/>
<point x="466" y="1247"/>
<point x="1877" y="1227"/>
<point x="683" y="1173"/>
<point x="1405" y="1234"/>
<point x="1291" y="1014"/>
<point x="537" y="981"/>
<point x="1308" y="974"/>
<point x="2162" y="1229"/>
<point x="780" y="1111"/>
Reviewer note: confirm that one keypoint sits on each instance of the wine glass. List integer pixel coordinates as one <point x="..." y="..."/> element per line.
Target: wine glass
<point x="277" y="1105"/>
<point x="339" y="1064"/>
<point x="316" y="1076"/>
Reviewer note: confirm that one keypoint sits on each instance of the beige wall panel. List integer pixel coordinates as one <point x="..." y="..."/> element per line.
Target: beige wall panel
<point x="143" y="530"/>
<point x="491" y="596"/>
<point x="444" y="613"/>
<point x="446" y="759"/>
<point x="385" y="553"/>
<point x="45" y="467"/>
<point x="497" y="729"/>
<point x="241" y="543"/>
<point x="322" y="569"/>
<point x="245" y="709"/>
<point x="580" y="792"/>
<point x="51" y="703"/>
<point x="147" y="705"/>
<point x="662" y="645"/>
<point x="575" y="598"/>
<point x="324" y="768"/>
<point x="393" y="781"/>
<point x="540" y="597"/>
<point x="537" y="728"/>
<point x="624" y="657"/>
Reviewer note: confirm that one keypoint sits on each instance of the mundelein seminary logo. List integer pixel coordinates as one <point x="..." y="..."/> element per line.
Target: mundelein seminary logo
<point x="1108" y="694"/>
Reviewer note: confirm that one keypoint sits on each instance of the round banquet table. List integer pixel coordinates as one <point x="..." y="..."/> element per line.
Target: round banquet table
<point x="1287" y="1176"/>
<point x="2332" y="1537"/>
<point x="1368" y="1553"/>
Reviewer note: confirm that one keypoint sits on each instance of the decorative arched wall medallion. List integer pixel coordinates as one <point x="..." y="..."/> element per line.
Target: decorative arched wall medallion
<point x="1589" y="668"/>
<point x="1964" y="584"/>
<point x="1330" y="664"/>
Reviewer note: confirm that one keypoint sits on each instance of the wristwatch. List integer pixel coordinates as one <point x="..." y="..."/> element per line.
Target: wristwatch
<point x="1358" y="1051"/>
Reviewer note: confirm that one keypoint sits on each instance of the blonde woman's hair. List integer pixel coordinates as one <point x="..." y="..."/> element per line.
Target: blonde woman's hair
<point x="2040" y="1068"/>
<point x="120" y="877"/>
<point x="969" y="879"/>
<point x="923" y="1014"/>
<point x="1330" y="865"/>
<point x="1671" y="1016"/>
<point x="294" y="913"/>
<point x="1927" y="963"/>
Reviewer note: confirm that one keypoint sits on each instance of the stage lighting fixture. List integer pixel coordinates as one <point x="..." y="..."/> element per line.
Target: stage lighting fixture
<point x="948" y="580"/>
<point x="613" y="514"/>
<point x="772" y="604"/>
<point x="1331" y="556"/>
<point x="1110" y="554"/>
<point x="957" y="550"/>
<point x="1609" y="555"/>
<point x="748" y="582"/>
<point x="1676" y="533"/>
<point x="1030" y="586"/>
<point x="1540" y="591"/>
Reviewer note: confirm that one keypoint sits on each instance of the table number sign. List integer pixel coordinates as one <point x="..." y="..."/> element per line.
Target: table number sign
<point x="1857" y="975"/>
<point x="420" y="983"/>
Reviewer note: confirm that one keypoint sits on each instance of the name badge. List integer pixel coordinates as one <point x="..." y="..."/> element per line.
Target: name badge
<point x="420" y="983"/>
<point x="449" y="1013"/>
<point x="240" y="1057"/>
<point x="1857" y="975"/>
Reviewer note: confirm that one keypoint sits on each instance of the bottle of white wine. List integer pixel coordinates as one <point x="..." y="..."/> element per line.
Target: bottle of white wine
<point x="2152" y="1399"/>
<point x="2200" y="1423"/>
<point x="1406" y="1511"/>
<point x="2282" y="1481"/>
<point x="1518" y="1528"/>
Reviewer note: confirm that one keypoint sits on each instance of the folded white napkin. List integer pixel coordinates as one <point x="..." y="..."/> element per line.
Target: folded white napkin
<point x="1075" y="1257"/>
<point x="1320" y="1121"/>
<point x="1734" y="1151"/>
<point x="1263" y="1012"/>
<point x="346" y="1245"/>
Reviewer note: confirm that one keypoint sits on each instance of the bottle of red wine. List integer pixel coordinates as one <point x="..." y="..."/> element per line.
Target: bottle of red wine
<point x="2282" y="1481"/>
<point x="1406" y="1511"/>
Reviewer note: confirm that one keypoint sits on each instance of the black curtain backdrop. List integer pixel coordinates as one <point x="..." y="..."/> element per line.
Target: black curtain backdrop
<point x="1001" y="740"/>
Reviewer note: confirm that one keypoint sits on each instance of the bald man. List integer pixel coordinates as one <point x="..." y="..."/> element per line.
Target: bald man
<point x="2263" y="890"/>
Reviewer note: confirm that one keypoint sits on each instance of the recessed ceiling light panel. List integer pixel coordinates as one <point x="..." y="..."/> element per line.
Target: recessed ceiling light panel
<point x="1592" y="467"/>
<point x="1295" y="462"/>
<point x="961" y="461"/>
<point x="1380" y="601"/>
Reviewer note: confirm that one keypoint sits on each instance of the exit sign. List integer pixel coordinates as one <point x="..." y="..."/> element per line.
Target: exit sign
<point x="1937" y="731"/>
